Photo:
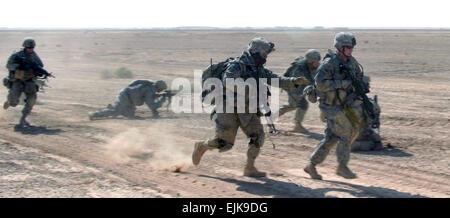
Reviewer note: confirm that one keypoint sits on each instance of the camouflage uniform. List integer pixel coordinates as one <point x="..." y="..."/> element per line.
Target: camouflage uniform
<point x="22" y="79"/>
<point x="341" y="108"/>
<point x="297" y="101"/>
<point x="135" y="94"/>
<point x="227" y="124"/>
<point x="368" y="139"/>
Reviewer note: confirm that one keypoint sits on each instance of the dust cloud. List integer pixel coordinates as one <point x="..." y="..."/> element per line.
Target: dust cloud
<point x="160" y="147"/>
<point x="2" y="114"/>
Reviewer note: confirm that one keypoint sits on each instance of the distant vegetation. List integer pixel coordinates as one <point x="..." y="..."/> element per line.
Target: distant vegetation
<point x="121" y="73"/>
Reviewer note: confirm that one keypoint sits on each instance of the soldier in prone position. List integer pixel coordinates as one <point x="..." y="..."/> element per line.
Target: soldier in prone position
<point x="135" y="94"/>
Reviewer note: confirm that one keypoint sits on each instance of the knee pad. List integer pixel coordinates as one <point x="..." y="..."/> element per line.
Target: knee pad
<point x="13" y="102"/>
<point x="31" y="100"/>
<point x="224" y="145"/>
<point x="256" y="139"/>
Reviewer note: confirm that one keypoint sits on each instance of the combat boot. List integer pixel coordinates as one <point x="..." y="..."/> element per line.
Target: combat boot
<point x="199" y="149"/>
<point x="311" y="170"/>
<point x="345" y="172"/>
<point x="299" y="128"/>
<point x="5" y="105"/>
<point x="250" y="169"/>
<point x="24" y="123"/>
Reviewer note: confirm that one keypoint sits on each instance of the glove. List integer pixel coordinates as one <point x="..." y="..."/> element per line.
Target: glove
<point x="300" y="81"/>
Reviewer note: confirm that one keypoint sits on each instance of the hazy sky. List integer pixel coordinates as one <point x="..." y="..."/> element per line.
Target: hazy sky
<point x="230" y="13"/>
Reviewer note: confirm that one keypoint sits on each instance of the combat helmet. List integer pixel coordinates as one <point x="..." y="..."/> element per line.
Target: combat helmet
<point x="344" y="39"/>
<point x="29" y="43"/>
<point x="312" y="55"/>
<point x="160" y="85"/>
<point x="260" y="45"/>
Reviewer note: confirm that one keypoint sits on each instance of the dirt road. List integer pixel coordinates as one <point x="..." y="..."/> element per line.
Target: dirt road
<point x="66" y="155"/>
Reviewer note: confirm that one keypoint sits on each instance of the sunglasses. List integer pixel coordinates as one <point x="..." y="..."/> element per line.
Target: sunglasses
<point x="349" y="47"/>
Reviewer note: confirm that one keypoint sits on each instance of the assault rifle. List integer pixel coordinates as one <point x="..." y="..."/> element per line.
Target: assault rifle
<point x="360" y="90"/>
<point x="168" y="94"/>
<point x="28" y="64"/>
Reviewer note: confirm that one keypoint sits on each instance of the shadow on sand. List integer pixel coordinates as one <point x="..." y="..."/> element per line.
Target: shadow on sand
<point x="307" y="134"/>
<point x="393" y="152"/>
<point x="36" y="130"/>
<point x="280" y="189"/>
<point x="313" y="135"/>
<point x="136" y="118"/>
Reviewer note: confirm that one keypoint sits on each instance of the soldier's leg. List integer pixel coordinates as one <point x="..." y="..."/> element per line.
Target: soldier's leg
<point x="225" y="134"/>
<point x="103" y="113"/>
<point x="321" y="152"/>
<point x="288" y="107"/>
<point x="368" y="140"/>
<point x="124" y="106"/>
<point x="325" y="145"/>
<point x="116" y="109"/>
<point x="14" y="93"/>
<point x="255" y="132"/>
<point x="30" y="91"/>
<point x="300" y="115"/>
<point x="347" y="133"/>
<point x="128" y="111"/>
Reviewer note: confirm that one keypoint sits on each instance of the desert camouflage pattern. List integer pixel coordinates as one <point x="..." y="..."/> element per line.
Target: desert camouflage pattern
<point x="227" y="124"/>
<point x="29" y="43"/>
<point x="296" y="97"/>
<point x="368" y="139"/>
<point x="259" y="44"/>
<point x="344" y="39"/>
<point x="227" y="132"/>
<point x="312" y="55"/>
<point x="341" y="109"/>
<point x="135" y="94"/>
<point x="22" y="81"/>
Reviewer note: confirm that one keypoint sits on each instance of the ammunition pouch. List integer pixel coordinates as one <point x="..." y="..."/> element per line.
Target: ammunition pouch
<point x="24" y="75"/>
<point x="7" y="83"/>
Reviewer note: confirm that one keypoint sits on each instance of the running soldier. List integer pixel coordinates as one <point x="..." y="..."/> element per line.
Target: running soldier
<point x="302" y="67"/>
<point x="340" y="105"/>
<point x="249" y="65"/>
<point x="24" y="67"/>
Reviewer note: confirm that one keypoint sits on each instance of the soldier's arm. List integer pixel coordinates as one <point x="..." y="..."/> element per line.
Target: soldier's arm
<point x="284" y="82"/>
<point x="151" y="102"/>
<point x="358" y="72"/>
<point x="324" y="79"/>
<point x="12" y="64"/>
<point x="37" y="60"/>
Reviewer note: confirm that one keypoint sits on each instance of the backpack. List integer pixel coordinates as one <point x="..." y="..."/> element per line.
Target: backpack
<point x="293" y="67"/>
<point x="215" y="71"/>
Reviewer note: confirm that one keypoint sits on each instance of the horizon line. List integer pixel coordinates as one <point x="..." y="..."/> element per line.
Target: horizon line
<point x="225" y="28"/>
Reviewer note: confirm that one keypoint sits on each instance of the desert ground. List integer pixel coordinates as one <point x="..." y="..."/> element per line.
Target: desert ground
<point x="67" y="155"/>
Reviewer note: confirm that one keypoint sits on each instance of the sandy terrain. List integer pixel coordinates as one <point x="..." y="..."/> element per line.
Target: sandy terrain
<point x="66" y="155"/>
